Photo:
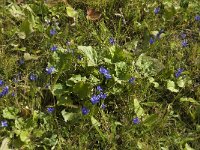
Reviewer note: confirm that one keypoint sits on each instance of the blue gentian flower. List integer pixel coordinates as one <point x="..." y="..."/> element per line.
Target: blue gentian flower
<point x="151" y="41"/>
<point x="33" y="77"/>
<point x="52" y="32"/>
<point x="85" y="111"/>
<point x="95" y="99"/>
<point x="13" y="94"/>
<point x="178" y="73"/>
<point x="157" y="10"/>
<point x="131" y="80"/>
<point x="103" y="106"/>
<point x="184" y="43"/>
<point x="99" y="88"/>
<point x="108" y="76"/>
<point x="183" y="35"/>
<point x="4" y="91"/>
<point x="50" y="109"/>
<point x="112" y="41"/>
<point x="4" y="123"/>
<point x="103" y="95"/>
<point x="50" y="70"/>
<point x="197" y="18"/>
<point x="136" y="120"/>
<point x="105" y="72"/>
<point x="54" y="48"/>
<point x="1" y="82"/>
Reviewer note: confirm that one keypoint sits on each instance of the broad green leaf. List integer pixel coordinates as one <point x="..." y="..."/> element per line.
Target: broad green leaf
<point x="26" y="27"/>
<point x="122" y="69"/>
<point x="171" y="86"/>
<point x="4" y="144"/>
<point x="28" y="56"/>
<point x="148" y="66"/>
<point x="187" y="147"/>
<point x="82" y="89"/>
<point x="90" y="54"/>
<point x="58" y="89"/>
<point x="138" y="109"/>
<point x="24" y="136"/>
<point x="95" y="122"/>
<point x="181" y="82"/>
<point x="151" y="80"/>
<point x="71" y="12"/>
<point x="68" y="116"/>
<point x="191" y="100"/>
<point x="10" y="113"/>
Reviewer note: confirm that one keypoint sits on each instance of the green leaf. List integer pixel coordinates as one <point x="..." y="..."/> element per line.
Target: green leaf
<point x="191" y="100"/>
<point x="58" y="89"/>
<point x="90" y="54"/>
<point x="82" y="89"/>
<point x="10" y="112"/>
<point x="28" y="56"/>
<point x="26" y="27"/>
<point x="68" y="116"/>
<point x="24" y="136"/>
<point x="71" y="12"/>
<point x="138" y="109"/>
<point x="171" y="86"/>
<point x="4" y="144"/>
<point x="181" y="82"/>
<point x="149" y="66"/>
<point x="187" y="147"/>
<point x="95" y="122"/>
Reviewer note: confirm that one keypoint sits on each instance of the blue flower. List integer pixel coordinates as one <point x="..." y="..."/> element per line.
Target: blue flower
<point x="52" y="32"/>
<point x="99" y="88"/>
<point x="151" y="41"/>
<point x="178" y="73"/>
<point x="1" y="82"/>
<point x="33" y="77"/>
<point x="112" y="41"/>
<point x="184" y="43"/>
<point x="95" y="99"/>
<point x="4" y="91"/>
<point x="13" y="94"/>
<point x="136" y="120"/>
<point x="105" y="72"/>
<point x="108" y="76"/>
<point x="4" y="123"/>
<point x="131" y="80"/>
<point x="54" y="48"/>
<point x="103" y="106"/>
<point x="197" y="18"/>
<point x="183" y="35"/>
<point x="50" y="109"/>
<point x="50" y="70"/>
<point x="157" y="10"/>
<point x="103" y="95"/>
<point x="85" y="111"/>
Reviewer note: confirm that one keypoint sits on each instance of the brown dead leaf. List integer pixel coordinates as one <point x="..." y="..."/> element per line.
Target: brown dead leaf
<point x="93" y="15"/>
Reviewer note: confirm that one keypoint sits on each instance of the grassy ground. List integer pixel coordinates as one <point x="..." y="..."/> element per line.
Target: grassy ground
<point x="145" y="55"/>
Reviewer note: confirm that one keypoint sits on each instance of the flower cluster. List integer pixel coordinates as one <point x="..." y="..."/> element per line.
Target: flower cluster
<point x="33" y="77"/>
<point x="105" y="72"/>
<point x="96" y="98"/>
